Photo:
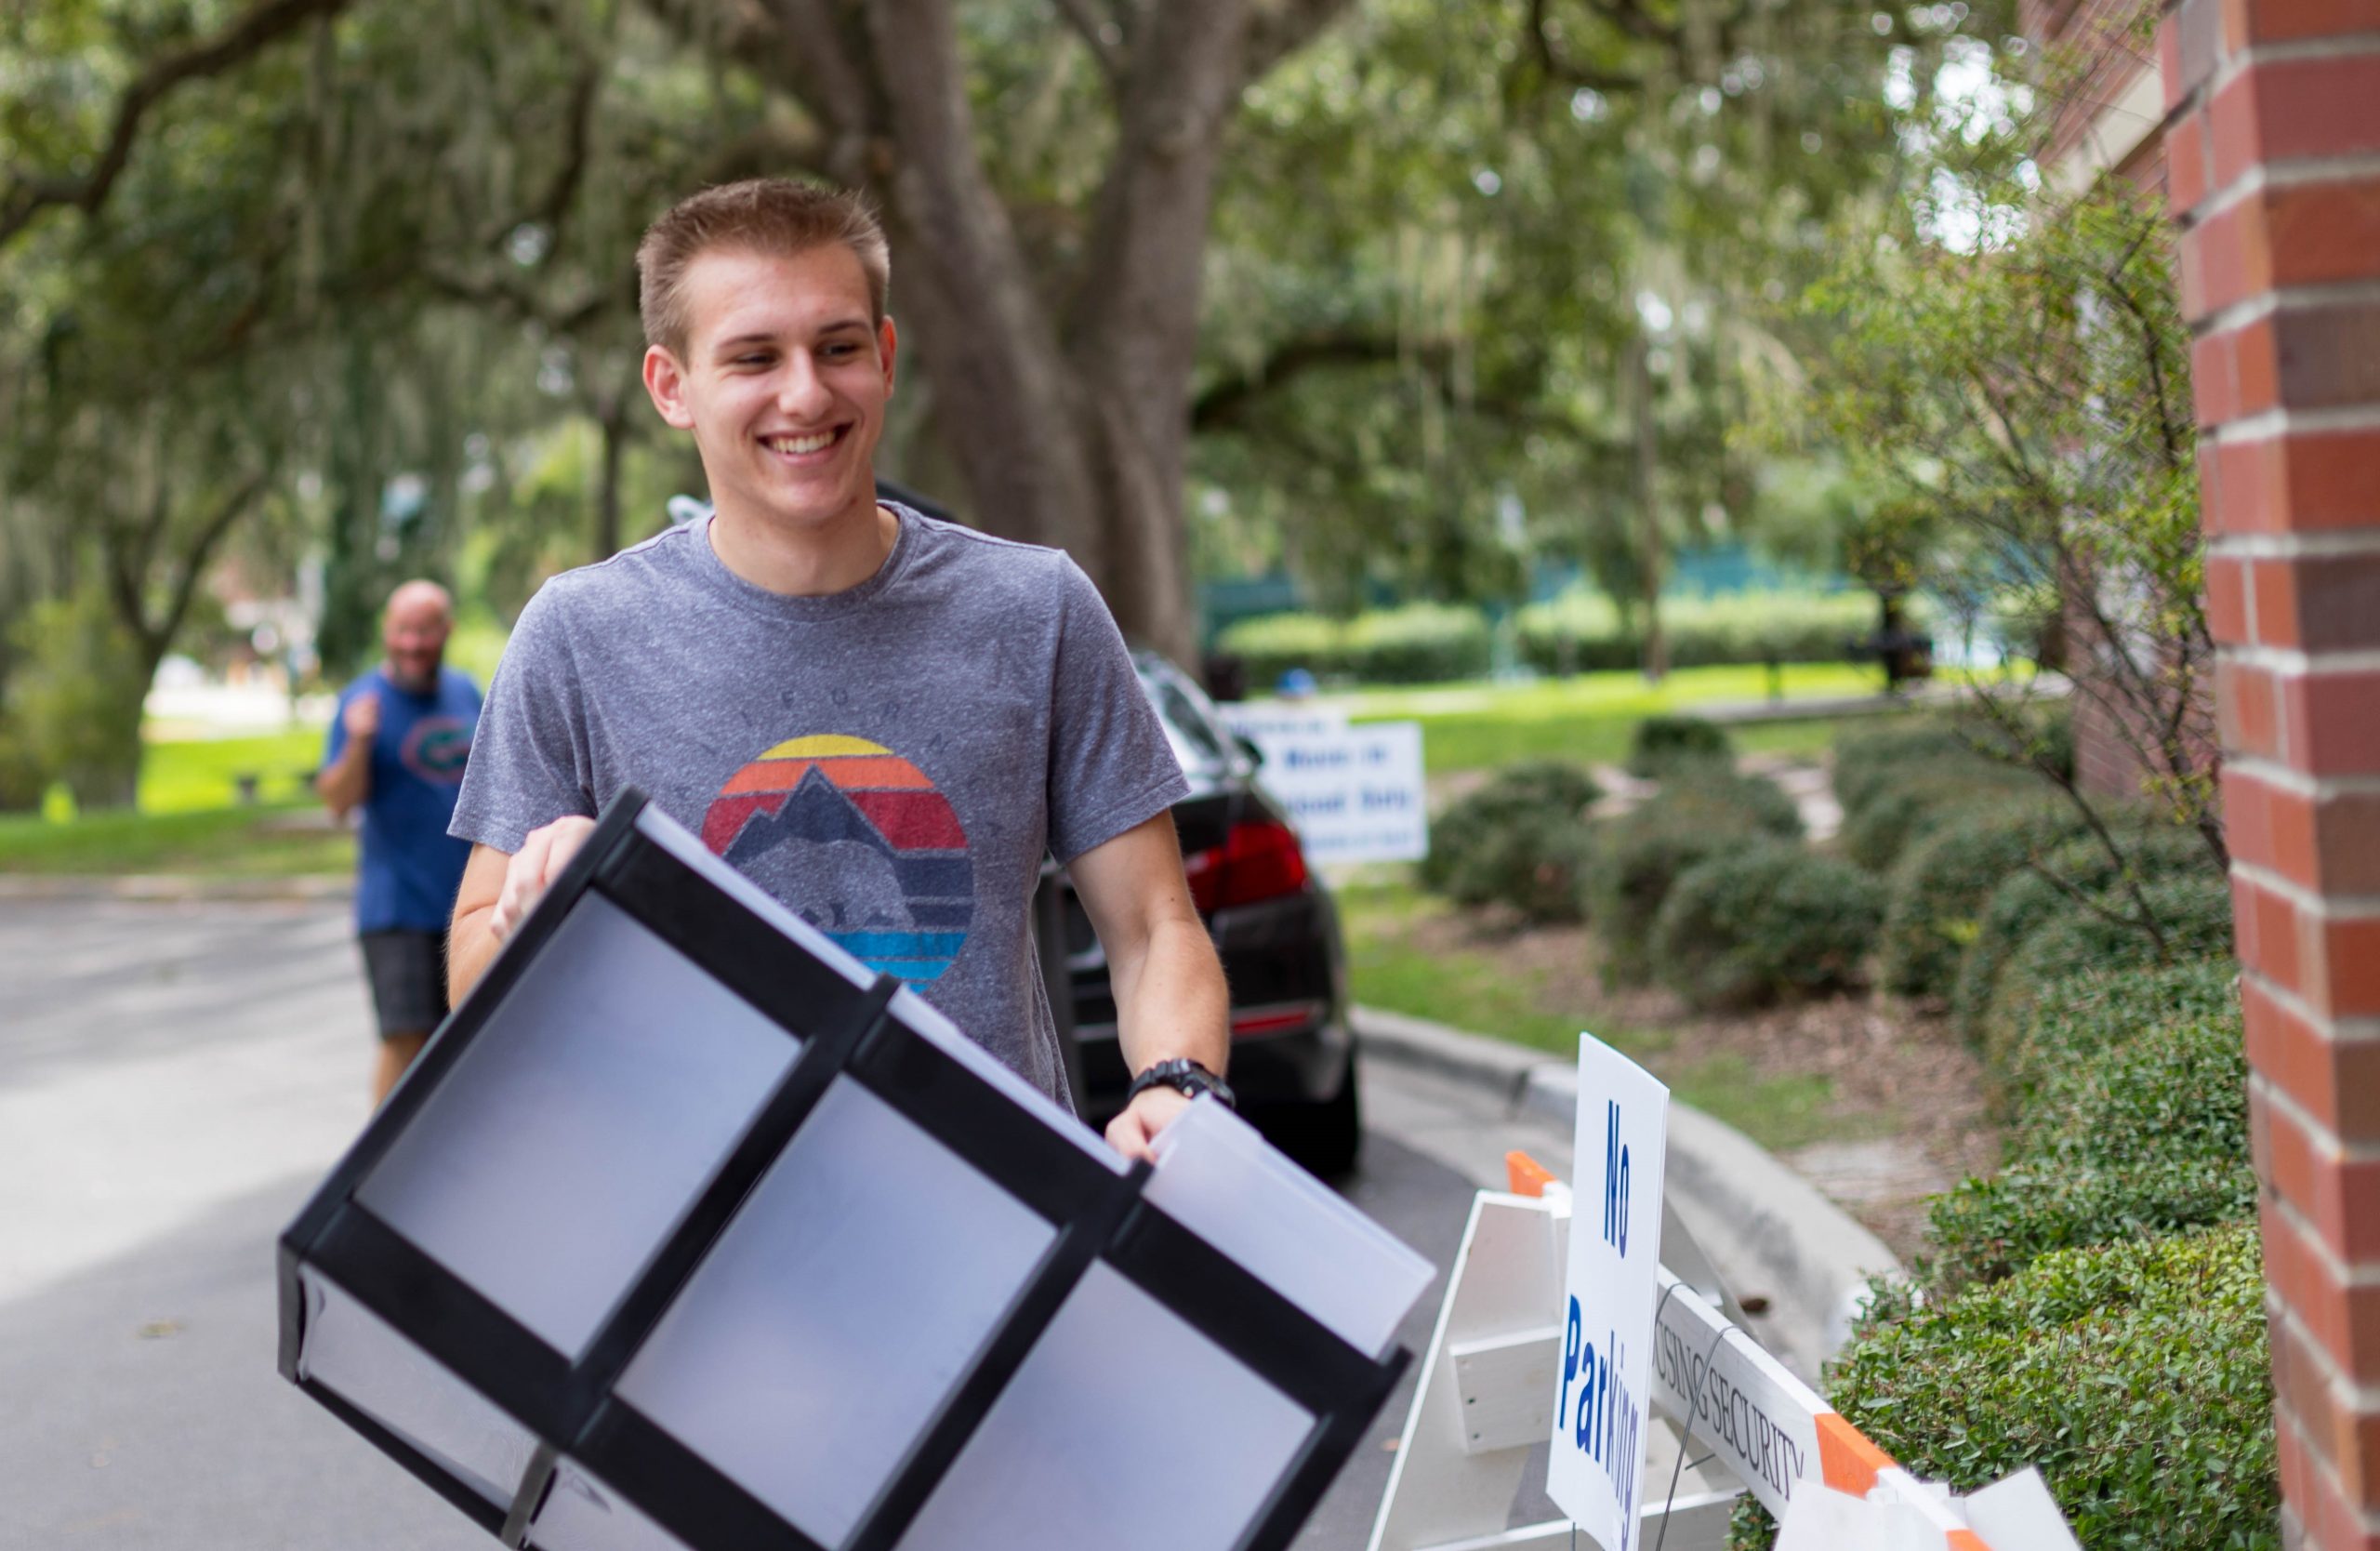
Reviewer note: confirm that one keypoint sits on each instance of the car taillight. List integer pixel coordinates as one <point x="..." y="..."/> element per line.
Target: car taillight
<point x="1255" y="861"/>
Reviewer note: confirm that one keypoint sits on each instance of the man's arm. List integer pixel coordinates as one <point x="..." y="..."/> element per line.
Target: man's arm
<point x="346" y="782"/>
<point x="1171" y="1000"/>
<point x="500" y="888"/>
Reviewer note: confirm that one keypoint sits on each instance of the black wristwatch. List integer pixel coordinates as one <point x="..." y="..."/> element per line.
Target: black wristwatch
<point x="1184" y="1074"/>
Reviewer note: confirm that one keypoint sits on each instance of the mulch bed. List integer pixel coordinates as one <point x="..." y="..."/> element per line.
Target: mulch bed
<point x="1910" y="1096"/>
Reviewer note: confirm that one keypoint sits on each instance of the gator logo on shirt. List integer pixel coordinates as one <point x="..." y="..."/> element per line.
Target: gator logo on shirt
<point x="858" y="841"/>
<point x="436" y="748"/>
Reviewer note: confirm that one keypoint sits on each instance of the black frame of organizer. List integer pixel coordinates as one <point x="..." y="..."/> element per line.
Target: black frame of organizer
<point x="848" y="1032"/>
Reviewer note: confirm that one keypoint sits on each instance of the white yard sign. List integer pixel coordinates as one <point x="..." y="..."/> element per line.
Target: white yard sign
<point x="1355" y="793"/>
<point x="1604" y="1394"/>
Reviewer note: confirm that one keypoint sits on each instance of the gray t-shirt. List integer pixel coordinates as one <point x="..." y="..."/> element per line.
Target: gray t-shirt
<point x="890" y="761"/>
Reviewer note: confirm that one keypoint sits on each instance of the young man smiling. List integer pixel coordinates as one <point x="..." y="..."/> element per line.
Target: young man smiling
<point x="883" y="719"/>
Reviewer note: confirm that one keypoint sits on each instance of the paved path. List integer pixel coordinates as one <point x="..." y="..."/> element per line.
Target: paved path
<point x="174" y="1077"/>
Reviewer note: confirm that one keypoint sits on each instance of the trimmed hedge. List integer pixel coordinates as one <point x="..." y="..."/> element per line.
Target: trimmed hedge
<point x="1582" y="631"/>
<point x="2194" y="913"/>
<point x="1641" y="853"/>
<point x="1892" y="754"/>
<point x="1666" y="745"/>
<point x="1578" y="632"/>
<point x="1522" y="839"/>
<point x="2077" y="1018"/>
<point x="2147" y="1135"/>
<point x="1748" y="925"/>
<point x="2027" y="900"/>
<point x="1418" y="643"/>
<point x="2134" y="1376"/>
<point x="1888" y="825"/>
<point x="1940" y="887"/>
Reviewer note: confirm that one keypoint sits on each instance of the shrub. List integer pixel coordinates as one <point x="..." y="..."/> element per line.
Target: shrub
<point x="1748" y="925"/>
<point x="1890" y="824"/>
<point x="2072" y="1021"/>
<point x="1583" y="632"/>
<point x="2193" y="913"/>
<point x="1418" y="643"/>
<point x="1663" y="744"/>
<point x="2134" y="1376"/>
<point x="1272" y="644"/>
<point x="1755" y="799"/>
<point x="1638" y="856"/>
<point x="1887" y="754"/>
<point x="1522" y="839"/>
<point x="2146" y="1134"/>
<point x="1938" y="890"/>
<point x="2028" y="900"/>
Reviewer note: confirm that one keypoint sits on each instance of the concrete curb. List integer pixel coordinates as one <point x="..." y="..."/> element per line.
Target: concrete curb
<point x="171" y="888"/>
<point x="1819" y="1257"/>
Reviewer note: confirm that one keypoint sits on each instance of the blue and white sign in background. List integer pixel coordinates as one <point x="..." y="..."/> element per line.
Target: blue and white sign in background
<point x="1355" y="793"/>
<point x="1604" y="1399"/>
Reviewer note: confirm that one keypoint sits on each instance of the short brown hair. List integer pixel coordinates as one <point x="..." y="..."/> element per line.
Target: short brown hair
<point x="759" y="215"/>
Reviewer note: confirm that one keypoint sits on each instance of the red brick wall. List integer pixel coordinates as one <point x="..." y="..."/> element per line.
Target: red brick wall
<point x="2273" y="144"/>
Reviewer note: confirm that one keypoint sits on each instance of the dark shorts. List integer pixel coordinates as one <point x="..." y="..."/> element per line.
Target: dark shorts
<point x="408" y="975"/>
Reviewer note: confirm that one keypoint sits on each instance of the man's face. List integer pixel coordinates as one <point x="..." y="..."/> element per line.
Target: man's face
<point x="413" y="637"/>
<point x="784" y="383"/>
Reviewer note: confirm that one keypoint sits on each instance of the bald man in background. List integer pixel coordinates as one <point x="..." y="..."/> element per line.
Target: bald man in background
<point x="397" y="748"/>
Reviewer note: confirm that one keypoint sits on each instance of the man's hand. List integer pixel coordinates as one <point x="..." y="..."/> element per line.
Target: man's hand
<point x="544" y="854"/>
<point x="1131" y="1132"/>
<point x="362" y="717"/>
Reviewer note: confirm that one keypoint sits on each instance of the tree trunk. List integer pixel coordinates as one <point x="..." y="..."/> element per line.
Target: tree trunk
<point x="1648" y="511"/>
<point x="1064" y="403"/>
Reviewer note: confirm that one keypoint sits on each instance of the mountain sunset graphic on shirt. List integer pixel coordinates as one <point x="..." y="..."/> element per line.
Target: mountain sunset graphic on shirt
<point x="857" y="841"/>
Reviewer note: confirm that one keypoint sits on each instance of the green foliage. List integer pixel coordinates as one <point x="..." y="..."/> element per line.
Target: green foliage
<point x="1663" y="744"/>
<point x="2147" y="1135"/>
<point x="1581" y="632"/>
<point x="2194" y="921"/>
<point x="1940" y="886"/>
<point x="2134" y="1375"/>
<point x="1932" y="794"/>
<point x="72" y="710"/>
<point x="1419" y="643"/>
<point x="1639" y="855"/>
<point x="2030" y="898"/>
<point x="1966" y="376"/>
<point x="2073" y="1021"/>
<point x="1584" y="631"/>
<point x="1522" y="839"/>
<point x="1875" y="759"/>
<point x="1755" y="923"/>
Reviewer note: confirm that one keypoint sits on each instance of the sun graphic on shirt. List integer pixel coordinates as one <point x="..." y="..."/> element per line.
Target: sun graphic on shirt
<point x="859" y="841"/>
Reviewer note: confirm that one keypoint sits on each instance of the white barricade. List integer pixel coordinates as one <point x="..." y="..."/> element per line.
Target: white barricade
<point x="1485" y="1397"/>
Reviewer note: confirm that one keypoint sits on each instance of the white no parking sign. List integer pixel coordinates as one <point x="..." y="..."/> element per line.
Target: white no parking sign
<point x="1604" y="1392"/>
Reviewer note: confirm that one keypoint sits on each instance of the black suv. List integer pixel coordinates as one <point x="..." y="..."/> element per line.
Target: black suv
<point x="1293" y="1057"/>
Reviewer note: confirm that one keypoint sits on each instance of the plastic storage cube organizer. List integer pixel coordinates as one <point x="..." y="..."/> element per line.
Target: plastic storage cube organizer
<point x="689" y="1234"/>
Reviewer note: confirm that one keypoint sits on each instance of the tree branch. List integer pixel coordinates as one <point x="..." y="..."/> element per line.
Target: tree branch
<point x="30" y="194"/>
<point x="1561" y="71"/>
<point x="1102" y="35"/>
<point x="1280" y="29"/>
<point x="1226" y="401"/>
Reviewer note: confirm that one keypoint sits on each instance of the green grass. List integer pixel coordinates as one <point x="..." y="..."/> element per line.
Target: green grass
<point x="1473" y="990"/>
<point x="1591" y="716"/>
<point x="225" y="843"/>
<point x="189" y="818"/>
<point x="193" y="774"/>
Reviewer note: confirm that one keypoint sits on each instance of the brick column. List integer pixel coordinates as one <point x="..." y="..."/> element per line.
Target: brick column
<point x="2273" y="167"/>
